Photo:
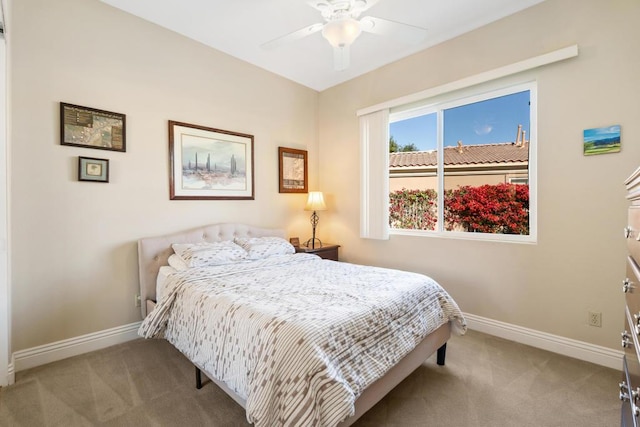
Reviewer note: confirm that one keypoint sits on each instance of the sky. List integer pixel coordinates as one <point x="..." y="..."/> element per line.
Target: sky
<point x="601" y="133"/>
<point x="485" y="122"/>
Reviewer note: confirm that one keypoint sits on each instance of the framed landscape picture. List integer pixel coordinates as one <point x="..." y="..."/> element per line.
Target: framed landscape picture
<point x="293" y="170"/>
<point x="601" y="140"/>
<point x="209" y="164"/>
<point x="92" y="128"/>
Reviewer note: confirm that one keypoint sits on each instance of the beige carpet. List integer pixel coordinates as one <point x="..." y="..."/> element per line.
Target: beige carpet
<point x="487" y="381"/>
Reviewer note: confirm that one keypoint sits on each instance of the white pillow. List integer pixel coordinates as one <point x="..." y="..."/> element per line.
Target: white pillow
<point x="178" y="263"/>
<point x="263" y="247"/>
<point x="204" y="254"/>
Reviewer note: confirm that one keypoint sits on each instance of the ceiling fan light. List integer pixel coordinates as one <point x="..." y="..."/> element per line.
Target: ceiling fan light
<point x="341" y="32"/>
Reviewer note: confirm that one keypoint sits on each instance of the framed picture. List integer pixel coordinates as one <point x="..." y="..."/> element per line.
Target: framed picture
<point x="91" y="128"/>
<point x="90" y="169"/>
<point x="295" y="242"/>
<point x="601" y="140"/>
<point x="293" y="170"/>
<point x="209" y="164"/>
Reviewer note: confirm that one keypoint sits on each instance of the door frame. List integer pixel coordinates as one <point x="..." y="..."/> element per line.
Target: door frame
<point x="7" y="375"/>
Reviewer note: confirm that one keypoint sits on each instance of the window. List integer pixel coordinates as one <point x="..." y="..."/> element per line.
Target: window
<point x="478" y="152"/>
<point x="374" y="143"/>
<point x="519" y="181"/>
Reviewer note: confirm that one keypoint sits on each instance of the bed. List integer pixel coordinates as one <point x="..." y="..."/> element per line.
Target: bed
<point x="247" y="324"/>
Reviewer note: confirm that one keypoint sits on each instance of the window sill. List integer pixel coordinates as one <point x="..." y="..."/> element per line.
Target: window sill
<point x="483" y="237"/>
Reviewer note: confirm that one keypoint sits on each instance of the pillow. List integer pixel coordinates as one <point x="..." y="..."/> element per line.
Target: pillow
<point x="178" y="263"/>
<point x="204" y="254"/>
<point x="263" y="247"/>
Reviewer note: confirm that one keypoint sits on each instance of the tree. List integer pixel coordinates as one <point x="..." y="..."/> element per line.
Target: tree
<point x="408" y="147"/>
<point x="394" y="147"/>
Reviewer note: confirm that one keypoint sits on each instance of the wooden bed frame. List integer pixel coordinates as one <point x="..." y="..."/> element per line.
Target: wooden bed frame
<point x="154" y="252"/>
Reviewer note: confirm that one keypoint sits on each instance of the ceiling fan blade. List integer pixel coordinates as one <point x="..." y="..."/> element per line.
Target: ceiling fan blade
<point x="402" y="32"/>
<point x="341" y="58"/>
<point x="328" y="7"/>
<point x="291" y="37"/>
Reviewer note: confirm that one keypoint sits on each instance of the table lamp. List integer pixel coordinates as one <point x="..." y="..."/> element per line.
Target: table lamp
<point x="315" y="202"/>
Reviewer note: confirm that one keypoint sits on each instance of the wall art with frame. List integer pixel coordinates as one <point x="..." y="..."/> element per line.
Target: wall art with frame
<point x="293" y="170"/>
<point x="209" y="164"/>
<point x="91" y="169"/>
<point x="92" y="128"/>
<point x="601" y="140"/>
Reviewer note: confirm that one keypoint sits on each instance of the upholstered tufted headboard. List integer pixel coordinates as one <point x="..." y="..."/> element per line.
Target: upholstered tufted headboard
<point x="153" y="252"/>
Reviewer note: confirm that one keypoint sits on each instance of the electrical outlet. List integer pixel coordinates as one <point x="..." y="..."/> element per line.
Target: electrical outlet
<point x="136" y="300"/>
<point x="595" y="319"/>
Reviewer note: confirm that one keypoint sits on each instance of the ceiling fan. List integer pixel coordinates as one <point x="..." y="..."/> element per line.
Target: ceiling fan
<point x="342" y="27"/>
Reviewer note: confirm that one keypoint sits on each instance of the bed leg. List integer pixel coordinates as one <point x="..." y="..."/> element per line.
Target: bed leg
<point x="442" y="352"/>
<point x="199" y="377"/>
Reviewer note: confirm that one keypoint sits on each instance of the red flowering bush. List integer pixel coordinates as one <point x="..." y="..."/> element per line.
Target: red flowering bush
<point x="498" y="209"/>
<point x="413" y="209"/>
<point x="501" y="208"/>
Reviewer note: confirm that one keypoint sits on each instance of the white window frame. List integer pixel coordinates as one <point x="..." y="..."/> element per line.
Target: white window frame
<point x="460" y="98"/>
<point x="372" y="140"/>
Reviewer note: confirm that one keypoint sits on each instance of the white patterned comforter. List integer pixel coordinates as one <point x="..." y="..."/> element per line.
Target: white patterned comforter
<point x="298" y="337"/>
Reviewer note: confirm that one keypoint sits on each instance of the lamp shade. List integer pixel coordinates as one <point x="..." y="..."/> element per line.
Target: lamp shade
<point x="315" y="202"/>
<point x="341" y="32"/>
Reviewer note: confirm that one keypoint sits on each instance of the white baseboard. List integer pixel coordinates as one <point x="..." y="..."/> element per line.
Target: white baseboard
<point x="599" y="355"/>
<point x="36" y="356"/>
<point x="11" y="374"/>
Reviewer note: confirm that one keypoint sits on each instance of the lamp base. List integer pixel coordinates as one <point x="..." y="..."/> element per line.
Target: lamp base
<point x="311" y="243"/>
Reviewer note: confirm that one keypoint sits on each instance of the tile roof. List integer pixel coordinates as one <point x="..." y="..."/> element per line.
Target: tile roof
<point x="464" y="155"/>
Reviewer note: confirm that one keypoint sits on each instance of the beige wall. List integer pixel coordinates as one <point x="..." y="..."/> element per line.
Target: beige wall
<point x="73" y="254"/>
<point x="578" y="263"/>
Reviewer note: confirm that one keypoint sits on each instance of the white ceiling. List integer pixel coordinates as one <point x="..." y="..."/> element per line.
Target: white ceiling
<point x="239" y="27"/>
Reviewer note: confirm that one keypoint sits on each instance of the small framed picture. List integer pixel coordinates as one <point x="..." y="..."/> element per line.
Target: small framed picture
<point x="90" y="169"/>
<point x="293" y="170"/>
<point x="601" y="140"/>
<point x="295" y="241"/>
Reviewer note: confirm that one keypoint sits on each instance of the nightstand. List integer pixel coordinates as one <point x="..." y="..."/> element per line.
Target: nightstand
<point x="326" y="251"/>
